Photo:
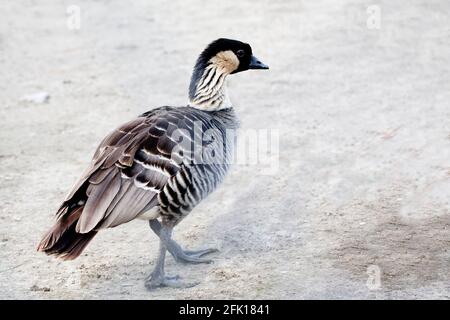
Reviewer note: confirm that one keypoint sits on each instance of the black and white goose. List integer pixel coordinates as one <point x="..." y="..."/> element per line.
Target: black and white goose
<point x="158" y="166"/>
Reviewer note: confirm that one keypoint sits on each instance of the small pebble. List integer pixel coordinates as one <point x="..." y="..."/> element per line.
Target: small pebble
<point x="37" y="288"/>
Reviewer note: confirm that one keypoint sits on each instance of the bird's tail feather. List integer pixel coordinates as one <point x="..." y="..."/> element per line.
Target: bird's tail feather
<point x="62" y="240"/>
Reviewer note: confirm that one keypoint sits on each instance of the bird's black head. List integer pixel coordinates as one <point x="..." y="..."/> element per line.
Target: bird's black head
<point x="221" y="58"/>
<point x="231" y="55"/>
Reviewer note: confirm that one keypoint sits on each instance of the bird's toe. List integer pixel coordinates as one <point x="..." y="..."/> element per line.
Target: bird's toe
<point x="154" y="282"/>
<point x="200" y="253"/>
<point x="193" y="256"/>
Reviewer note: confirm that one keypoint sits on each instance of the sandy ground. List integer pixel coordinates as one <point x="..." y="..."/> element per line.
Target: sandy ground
<point x="363" y="185"/>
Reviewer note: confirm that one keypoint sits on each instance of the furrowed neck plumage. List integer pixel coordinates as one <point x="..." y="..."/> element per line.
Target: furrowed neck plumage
<point x="207" y="90"/>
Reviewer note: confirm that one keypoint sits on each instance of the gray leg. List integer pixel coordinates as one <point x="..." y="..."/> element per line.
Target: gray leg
<point x="180" y="255"/>
<point x="157" y="278"/>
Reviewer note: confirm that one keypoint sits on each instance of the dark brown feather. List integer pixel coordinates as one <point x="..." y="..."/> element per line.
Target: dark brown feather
<point x="58" y="229"/>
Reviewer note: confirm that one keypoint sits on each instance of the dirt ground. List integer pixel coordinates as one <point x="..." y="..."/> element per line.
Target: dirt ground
<point x="359" y="207"/>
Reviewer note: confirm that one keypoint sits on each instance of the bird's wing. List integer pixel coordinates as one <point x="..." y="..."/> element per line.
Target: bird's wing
<point x="127" y="172"/>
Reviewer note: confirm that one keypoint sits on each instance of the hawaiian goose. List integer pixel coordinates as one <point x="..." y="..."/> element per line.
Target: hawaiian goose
<point x="160" y="165"/>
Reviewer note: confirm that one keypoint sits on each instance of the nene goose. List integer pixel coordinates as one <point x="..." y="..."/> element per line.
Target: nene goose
<point x="159" y="166"/>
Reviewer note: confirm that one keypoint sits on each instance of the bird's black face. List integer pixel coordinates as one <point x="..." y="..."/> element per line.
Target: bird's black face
<point x="232" y="56"/>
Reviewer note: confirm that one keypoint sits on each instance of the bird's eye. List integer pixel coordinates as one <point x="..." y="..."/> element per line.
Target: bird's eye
<point x="240" y="53"/>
